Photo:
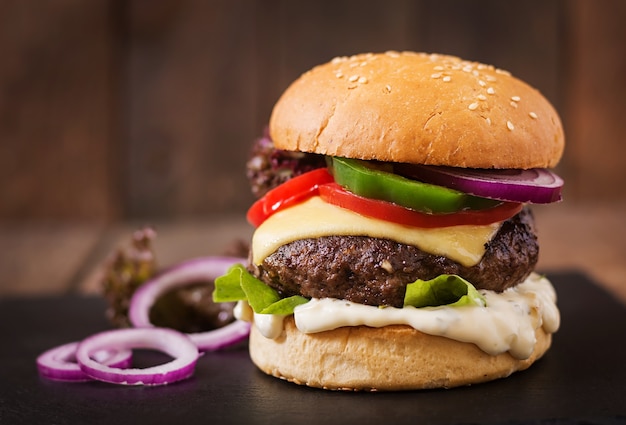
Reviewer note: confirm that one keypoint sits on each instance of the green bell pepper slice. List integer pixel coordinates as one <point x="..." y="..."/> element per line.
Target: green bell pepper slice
<point x="378" y="182"/>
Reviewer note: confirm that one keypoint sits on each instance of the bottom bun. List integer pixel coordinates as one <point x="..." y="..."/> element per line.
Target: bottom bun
<point x="390" y="358"/>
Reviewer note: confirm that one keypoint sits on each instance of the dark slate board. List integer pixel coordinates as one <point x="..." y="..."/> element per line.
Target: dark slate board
<point x="582" y="379"/>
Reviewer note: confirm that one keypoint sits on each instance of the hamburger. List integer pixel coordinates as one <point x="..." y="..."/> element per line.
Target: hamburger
<point x="394" y="246"/>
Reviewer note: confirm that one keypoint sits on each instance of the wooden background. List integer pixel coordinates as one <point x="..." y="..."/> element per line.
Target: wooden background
<point x="116" y="110"/>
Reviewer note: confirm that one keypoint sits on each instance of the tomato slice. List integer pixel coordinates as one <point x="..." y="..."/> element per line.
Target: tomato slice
<point x="292" y="192"/>
<point x="336" y="195"/>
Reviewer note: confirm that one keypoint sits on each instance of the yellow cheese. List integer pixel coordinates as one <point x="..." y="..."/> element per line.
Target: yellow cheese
<point x="315" y="218"/>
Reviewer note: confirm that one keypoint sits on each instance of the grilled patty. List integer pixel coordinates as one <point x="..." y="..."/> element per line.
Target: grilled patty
<point x="376" y="271"/>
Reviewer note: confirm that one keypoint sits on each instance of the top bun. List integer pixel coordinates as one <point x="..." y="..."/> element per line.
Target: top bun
<point x="418" y="108"/>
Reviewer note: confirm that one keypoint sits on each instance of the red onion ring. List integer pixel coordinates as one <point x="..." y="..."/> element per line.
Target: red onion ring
<point x="59" y="363"/>
<point x="536" y="185"/>
<point x="177" y="345"/>
<point x="196" y="270"/>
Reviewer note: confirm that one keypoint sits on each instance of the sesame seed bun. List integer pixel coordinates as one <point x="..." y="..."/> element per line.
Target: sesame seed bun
<point x="418" y="108"/>
<point x="391" y="358"/>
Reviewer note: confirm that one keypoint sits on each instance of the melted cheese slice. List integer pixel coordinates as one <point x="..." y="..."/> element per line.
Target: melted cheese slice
<point x="315" y="218"/>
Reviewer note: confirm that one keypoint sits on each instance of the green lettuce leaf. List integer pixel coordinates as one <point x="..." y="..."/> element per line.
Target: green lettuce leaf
<point x="228" y="286"/>
<point x="285" y="306"/>
<point x="451" y="290"/>
<point x="238" y="284"/>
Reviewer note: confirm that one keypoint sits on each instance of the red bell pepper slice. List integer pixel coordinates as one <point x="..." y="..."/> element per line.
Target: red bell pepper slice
<point x="336" y="195"/>
<point x="292" y="192"/>
<point x="320" y="182"/>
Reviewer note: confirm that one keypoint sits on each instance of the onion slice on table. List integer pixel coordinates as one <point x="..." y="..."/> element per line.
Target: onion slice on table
<point x="175" y="344"/>
<point x="196" y="270"/>
<point x="60" y="364"/>
<point x="536" y="185"/>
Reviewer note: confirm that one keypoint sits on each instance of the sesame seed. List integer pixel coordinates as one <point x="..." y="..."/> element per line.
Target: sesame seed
<point x="446" y="78"/>
<point x="482" y="83"/>
<point x="502" y="71"/>
<point x="473" y="106"/>
<point x="516" y="98"/>
<point x="436" y="75"/>
<point x="353" y="78"/>
<point x="533" y="115"/>
<point x="388" y="88"/>
<point x="490" y="90"/>
<point x="488" y="120"/>
<point x="339" y="74"/>
<point x="393" y="54"/>
<point x="510" y="125"/>
<point x="363" y="63"/>
<point x="514" y="104"/>
<point x="481" y="97"/>
<point x="363" y="80"/>
<point x="490" y="78"/>
<point x="438" y="68"/>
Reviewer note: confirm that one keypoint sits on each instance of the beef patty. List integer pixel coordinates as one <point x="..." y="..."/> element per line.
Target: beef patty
<point x="375" y="271"/>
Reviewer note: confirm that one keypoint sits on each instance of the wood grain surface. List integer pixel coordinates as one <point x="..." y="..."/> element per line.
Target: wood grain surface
<point x="116" y="113"/>
<point x="117" y="110"/>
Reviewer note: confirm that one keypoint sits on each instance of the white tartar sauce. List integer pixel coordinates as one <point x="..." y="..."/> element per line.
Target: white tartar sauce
<point x="507" y="323"/>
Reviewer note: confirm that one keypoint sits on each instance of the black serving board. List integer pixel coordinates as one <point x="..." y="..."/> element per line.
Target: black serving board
<point x="582" y="379"/>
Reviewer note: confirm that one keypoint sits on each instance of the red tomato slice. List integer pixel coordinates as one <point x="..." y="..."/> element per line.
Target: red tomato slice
<point x="336" y="195"/>
<point x="292" y="192"/>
